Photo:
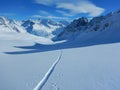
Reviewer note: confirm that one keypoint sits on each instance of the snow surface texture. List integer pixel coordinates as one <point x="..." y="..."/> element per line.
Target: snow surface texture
<point x="89" y="68"/>
<point x="22" y="72"/>
<point x="47" y="75"/>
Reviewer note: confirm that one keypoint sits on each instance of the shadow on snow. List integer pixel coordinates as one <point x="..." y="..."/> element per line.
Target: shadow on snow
<point x="65" y="45"/>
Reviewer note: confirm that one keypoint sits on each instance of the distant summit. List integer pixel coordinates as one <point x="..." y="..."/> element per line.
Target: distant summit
<point x="41" y="27"/>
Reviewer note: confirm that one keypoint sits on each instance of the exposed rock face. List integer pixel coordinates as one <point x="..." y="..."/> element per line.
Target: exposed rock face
<point x="2" y="21"/>
<point x="83" y="25"/>
<point x="77" y="24"/>
<point x="28" y="25"/>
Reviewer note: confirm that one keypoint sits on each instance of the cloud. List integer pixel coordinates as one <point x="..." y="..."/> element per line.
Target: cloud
<point x="64" y="13"/>
<point x="83" y="7"/>
<point x="46" y="15"/>
<point x="43" y="12"/>
<point x="50" y="17"/>
<point x="45" y="2"/>
<point x="52" y="2"/>
<point x="74" y="7"/>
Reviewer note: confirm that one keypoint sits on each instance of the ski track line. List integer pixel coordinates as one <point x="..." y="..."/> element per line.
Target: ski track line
<point x="47" y="75"/>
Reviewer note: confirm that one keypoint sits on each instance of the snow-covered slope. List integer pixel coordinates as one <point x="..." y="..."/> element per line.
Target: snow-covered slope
<point x="9" y="25"/>
<point x="98" y="27"/>
<point x="43" y="27"/>
<point x="90" y="68"/>
<point x="87" y="68"/>
<point x="22" y="72"/>
<point x="12" y="30"/>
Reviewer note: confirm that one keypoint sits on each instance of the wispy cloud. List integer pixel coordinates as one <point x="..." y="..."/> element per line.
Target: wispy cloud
<point x="45" y="2"/>
<point x="82" y="7"/>
<point x="50" y="17"/>
<point x="74" y="7"/>
<point x="46" y="15"/>
<point x="41" y="12"/>
<point x="64" y="13"/>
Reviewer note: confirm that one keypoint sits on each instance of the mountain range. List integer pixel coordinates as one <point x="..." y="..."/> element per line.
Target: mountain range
<point x="81" y="29"/>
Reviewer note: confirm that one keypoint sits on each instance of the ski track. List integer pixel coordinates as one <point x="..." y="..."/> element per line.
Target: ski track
<point x="47" y="75"/>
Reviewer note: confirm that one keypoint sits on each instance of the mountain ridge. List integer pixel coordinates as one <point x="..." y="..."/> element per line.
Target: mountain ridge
<point x="41" y="27"/>
<point x="80" y="29"/>
<point x="82" y="26"/>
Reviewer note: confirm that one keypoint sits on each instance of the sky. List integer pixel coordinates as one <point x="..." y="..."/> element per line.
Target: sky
<point x="56" y="9"/>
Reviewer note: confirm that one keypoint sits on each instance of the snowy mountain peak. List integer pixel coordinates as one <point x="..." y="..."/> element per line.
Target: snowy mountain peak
<point x="43" y="27"/>
<point x="5" y="20"/>
<point x="62" y="30"/>
<point x="78" y="28"/>
<point x="9" y="25"/>
<point x="2" y="20"/>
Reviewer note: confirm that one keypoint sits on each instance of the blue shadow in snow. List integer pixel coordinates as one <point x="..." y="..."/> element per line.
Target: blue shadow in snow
<point x="65" y="45"/>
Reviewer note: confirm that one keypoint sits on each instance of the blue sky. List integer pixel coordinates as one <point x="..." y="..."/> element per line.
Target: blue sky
<point x="56" y="9"/>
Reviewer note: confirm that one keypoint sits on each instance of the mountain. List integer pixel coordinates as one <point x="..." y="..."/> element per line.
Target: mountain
<point x="43" y="27"/>
<point x="65" y="23"/>
<point x="99" y="28"/>
<point x="81" y="29"/>
<point x="9" y="25"/>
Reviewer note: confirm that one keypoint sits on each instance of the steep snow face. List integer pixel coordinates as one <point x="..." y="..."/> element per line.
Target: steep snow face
<point x="9" y="25"/>
<point x="44" y="28"/>
<point x="82" y="29"/>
